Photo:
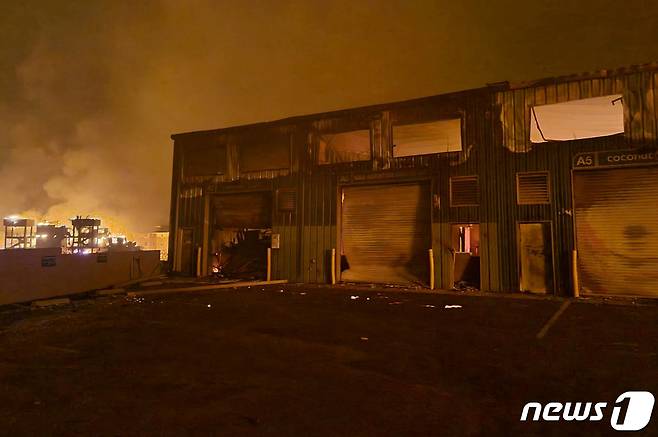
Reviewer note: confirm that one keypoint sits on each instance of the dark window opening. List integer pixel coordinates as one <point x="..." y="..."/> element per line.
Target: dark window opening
<point x="264" y="152"/>
<point x="440" y="136"/>
<point x="344" y="147"/>
<point x="204" y="160"/>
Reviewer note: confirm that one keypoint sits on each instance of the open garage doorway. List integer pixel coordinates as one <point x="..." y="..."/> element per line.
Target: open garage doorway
<point x="466" y="255"/>
<point x="241" y="235"/>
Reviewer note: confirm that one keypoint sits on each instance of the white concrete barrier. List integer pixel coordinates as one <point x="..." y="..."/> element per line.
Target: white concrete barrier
<point x="30" y="274"/>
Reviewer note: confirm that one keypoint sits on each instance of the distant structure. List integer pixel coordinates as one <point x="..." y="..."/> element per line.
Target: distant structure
<point x="121" y="243"/>
<point x="19" y="233"/>
<point x="157" y="239"/>
<point x="51" y="235"/>
<point x="84" y="235"/>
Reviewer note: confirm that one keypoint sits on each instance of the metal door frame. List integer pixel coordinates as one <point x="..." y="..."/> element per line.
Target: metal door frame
<point x="573" y="216"/>
<point x="452" y="271"/>
<point x="339" y="209"/>
<point x="212" y="213"/>
<point x="518" y="252"/>
<point x="192" y="271"/>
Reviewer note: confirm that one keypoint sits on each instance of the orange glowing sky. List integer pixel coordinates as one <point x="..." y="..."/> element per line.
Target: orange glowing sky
<point x="90" y="91"/>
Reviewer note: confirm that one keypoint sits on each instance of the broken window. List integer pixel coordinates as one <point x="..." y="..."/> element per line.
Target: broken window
<point x="426" y="138"/>
<point x="265" y="151"/>
<point x="577" y="119"/>
<point x="204" y="159"/>
<point x="344" y="147"/>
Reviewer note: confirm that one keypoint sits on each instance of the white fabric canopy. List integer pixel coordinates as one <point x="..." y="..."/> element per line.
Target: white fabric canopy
<point x="577" y="119"/>
<point x="426" y="138"/>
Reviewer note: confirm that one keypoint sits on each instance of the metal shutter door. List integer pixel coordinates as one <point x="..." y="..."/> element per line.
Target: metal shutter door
<point x="617" y="231"/>
<point x="386" y="233"/>
<point x="244" y="210"/>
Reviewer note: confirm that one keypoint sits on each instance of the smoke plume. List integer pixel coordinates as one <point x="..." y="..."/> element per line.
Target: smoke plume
<point x="90" y="91"/>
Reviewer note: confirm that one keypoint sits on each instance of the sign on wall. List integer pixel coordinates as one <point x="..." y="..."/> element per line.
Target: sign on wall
<point x="48" y="261"/>
<point x="617" y="158"/>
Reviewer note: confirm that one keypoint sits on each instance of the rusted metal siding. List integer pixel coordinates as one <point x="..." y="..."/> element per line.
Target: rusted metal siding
<point x="310" y="232"/>
<point x="511" y="152"/>
<point x="496" y="146"/>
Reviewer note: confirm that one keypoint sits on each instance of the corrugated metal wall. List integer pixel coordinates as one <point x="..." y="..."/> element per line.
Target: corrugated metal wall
<point x="495" y="147"/>
<point x="512" y="152"/>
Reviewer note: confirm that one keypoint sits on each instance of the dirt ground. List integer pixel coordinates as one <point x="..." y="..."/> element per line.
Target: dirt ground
<point x="305" y="361"/>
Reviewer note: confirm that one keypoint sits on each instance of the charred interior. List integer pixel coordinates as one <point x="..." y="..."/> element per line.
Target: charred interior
<point x="241" y="235"/>
<point x="466" y="247"/>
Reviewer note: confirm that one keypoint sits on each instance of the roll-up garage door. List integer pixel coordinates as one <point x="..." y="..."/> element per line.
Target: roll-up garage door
<point x="386" y="233"/>
<point x="243" y="210"/>
<point x="617" y="231"/>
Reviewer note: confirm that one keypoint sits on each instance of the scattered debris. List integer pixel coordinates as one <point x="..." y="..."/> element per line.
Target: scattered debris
<point x="110" y="291"/>
<point x="364" y="338"/>
<point x="61" y="349"/>
<point x="449" y="307"/>
<point x="429" y="306"/>
<point x="252" y="420"/>
<point x="51" y="302"/>
<point x="209" y="305"/>
<point x="354" y="297"/>
<point x="397" y="302"/>
<point x="464" y="286"/>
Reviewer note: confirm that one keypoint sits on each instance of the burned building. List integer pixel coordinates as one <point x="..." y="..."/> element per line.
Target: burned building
<point x="51" y="235"/>
<point x="509" y="187"/>
<point x="19" y="233"/>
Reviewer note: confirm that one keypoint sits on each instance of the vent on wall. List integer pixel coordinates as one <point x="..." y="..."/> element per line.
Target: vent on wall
<point x="533" y="188"/>
<point x="464" y="191"/>
<point x="286" y="199"/>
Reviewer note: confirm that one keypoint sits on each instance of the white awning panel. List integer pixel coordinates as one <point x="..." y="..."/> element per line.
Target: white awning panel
<point x="427" y="138"/>
<point x="577" y="119"/>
